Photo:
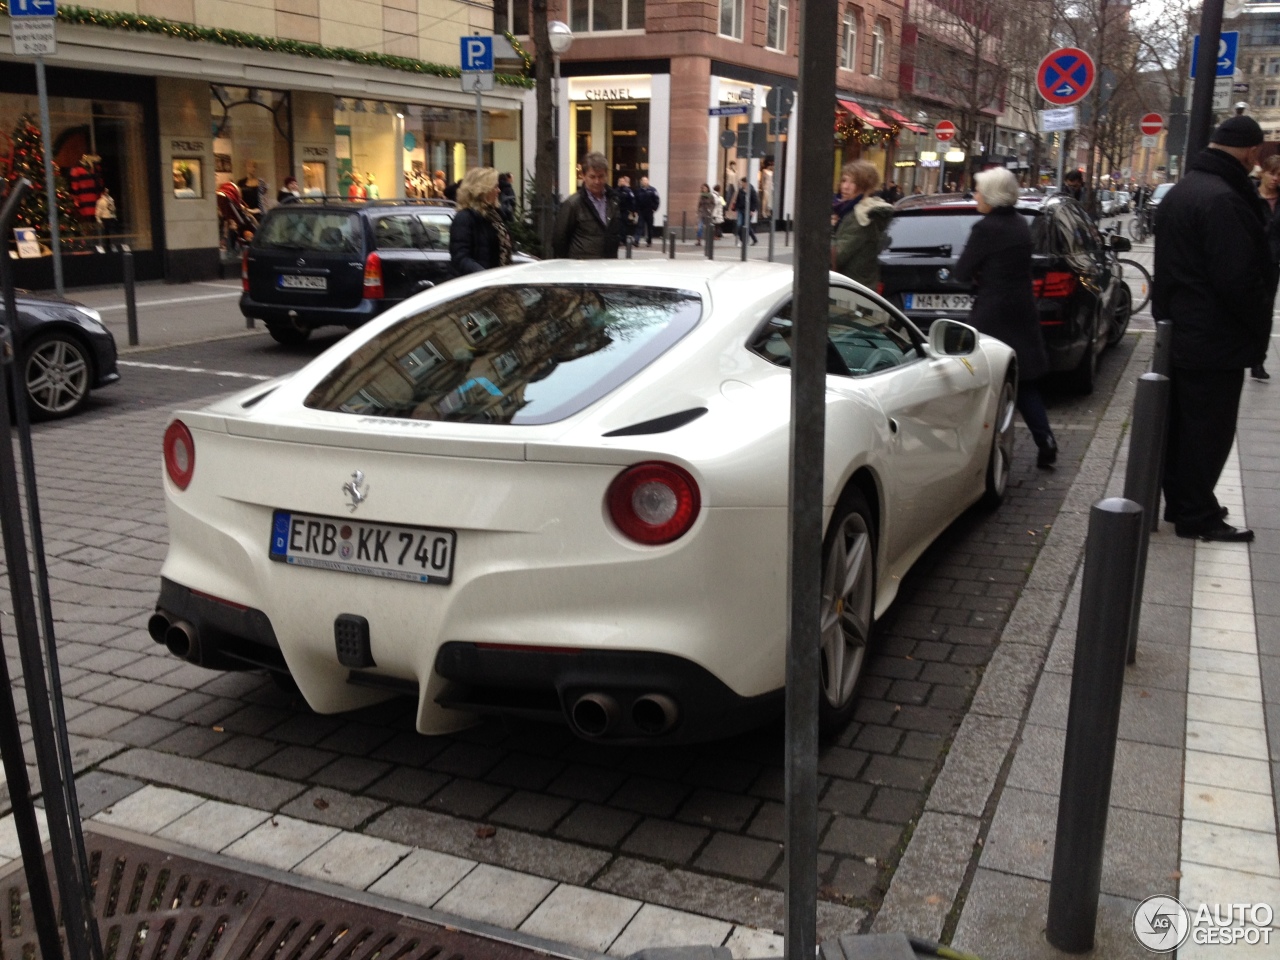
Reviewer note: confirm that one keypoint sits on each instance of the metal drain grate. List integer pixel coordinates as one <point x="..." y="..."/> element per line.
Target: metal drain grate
<point x="153" y="905"/>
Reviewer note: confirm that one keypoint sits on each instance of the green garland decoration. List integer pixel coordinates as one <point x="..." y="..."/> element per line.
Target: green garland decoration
<point x="85" y="16"/>
<point x="520" y="52"/>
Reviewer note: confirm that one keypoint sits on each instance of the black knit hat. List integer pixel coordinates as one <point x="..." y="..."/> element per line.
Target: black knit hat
<point x="1240" y="131"/>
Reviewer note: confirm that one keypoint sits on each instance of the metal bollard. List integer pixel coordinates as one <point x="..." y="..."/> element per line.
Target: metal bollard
<point x="628" y="246"/>
<point x="130" y="295"/>
<point x="1093" y="720"/>
<point x="673" y="246"/>
<point x="684" y="225"/>
<point x="713" y="229"/>
<point x="1142" y="475"/>
<point x="1162" y="356"/>
<point x="788" y="232"/>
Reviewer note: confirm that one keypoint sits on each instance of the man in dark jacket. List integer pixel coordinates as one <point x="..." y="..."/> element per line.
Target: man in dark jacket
<point x="744" y="206"/>
<point x="646" y="206"/>
<point x="1213" y="279"/>
<point x="588" y="224"/>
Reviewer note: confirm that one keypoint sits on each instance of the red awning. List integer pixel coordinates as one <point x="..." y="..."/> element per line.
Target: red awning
<point x="903" y="121"/>
<point x="857" y="110"/>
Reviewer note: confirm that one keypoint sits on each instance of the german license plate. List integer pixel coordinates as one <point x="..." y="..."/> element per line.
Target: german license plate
<point x="417" y="554"/>
<point x="292" y="281"/>
<point x="937" y="301"/>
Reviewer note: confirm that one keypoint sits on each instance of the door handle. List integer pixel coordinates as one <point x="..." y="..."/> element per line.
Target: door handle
<point x="893" y="425"/>
<point x="426" y="284"/>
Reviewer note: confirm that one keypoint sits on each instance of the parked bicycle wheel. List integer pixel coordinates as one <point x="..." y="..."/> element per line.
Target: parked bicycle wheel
<point x="1140" y="228"/>
<point x="1138" y="279"/>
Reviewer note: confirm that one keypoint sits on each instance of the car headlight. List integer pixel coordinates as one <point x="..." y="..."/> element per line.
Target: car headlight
<point x="90" y="314"/>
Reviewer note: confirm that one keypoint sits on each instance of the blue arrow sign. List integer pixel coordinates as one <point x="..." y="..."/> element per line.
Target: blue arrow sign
<point x="735" y="110"/>
<point x="33" y="8"/>
<point x="477" y="54"/>
<point x="1228" y="45"/>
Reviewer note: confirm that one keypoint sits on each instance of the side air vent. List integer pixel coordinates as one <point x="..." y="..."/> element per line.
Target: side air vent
<point x="670" y="422"/>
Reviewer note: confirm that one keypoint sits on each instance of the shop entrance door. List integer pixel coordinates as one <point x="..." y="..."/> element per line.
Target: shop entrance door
<point x="628" y="133"/>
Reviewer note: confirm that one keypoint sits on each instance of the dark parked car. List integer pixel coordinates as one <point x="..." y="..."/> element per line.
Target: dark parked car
<point x="1084" y="305"/>
<point x="333" y="262"/>
<point x="63" y="352"/>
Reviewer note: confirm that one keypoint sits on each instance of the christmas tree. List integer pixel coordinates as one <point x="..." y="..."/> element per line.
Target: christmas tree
<point x="27" y="160"/>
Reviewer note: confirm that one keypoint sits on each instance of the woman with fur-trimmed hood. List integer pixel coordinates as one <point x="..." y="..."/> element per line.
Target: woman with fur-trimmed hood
<point x="860" y="220"/>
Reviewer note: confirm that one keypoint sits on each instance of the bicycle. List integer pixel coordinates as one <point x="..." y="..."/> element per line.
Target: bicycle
<point x="1138" y="282"/>
<point x="1140" y="227"/>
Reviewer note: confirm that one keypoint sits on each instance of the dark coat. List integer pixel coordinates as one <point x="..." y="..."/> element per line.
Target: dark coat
<point x="997" y="258"/>
<point x="1214" y="271"/>
<point x="581" y="235"/>
<point x="745" y="198"/>
<point x="473" y="243"/>
<point x="647" y="200"/>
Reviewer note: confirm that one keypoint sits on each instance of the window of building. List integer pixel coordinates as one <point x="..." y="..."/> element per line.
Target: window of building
<point x="776" y="25"/>
<point x="1273" y="66"/>
<point x="1269" y="98"/>
<point x="1262" y="33"/>
<point x="595" y="16"/>
<point x="731" y="18"/>
<point x="511" y="15"/>
<point x="877" y="51"/>
<point x="849" y="48"/>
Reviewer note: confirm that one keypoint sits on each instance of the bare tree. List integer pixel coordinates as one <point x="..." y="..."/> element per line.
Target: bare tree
<point x="544" y="160"/>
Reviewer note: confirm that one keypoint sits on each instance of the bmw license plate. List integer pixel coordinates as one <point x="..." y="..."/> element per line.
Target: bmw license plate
<point x="937" y="301"/>
<point x="292" y="281"/>
<point x="418" y="554"/>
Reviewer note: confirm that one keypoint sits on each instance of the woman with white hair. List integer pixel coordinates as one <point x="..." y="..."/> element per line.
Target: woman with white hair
<point x="997" y="258"/>
<point x="478" y="238"/>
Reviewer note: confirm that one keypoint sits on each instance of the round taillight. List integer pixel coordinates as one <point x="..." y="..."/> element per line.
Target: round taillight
<point x="654" y="502"/>
<point x="179" y="454"/>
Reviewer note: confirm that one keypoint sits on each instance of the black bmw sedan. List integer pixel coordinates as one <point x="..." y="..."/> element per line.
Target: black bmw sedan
<point x="1084" y="304"/>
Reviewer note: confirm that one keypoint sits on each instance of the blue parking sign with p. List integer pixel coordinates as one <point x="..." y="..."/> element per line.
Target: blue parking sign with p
<point x="477" y="54"/>
<point x="33" y="8"/>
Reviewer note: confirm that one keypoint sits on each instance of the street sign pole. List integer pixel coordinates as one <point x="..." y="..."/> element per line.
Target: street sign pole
<point x="479" y="125"/>
<point x="50" y="183"/>
<point x="1200" y="121"/>
<point x="746" y="229"/>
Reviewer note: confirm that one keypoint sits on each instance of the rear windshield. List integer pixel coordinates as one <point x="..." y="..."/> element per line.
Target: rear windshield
<point x="510" y="354"/>
<point x="322" y="231"/>
<point x="935" y="234"/>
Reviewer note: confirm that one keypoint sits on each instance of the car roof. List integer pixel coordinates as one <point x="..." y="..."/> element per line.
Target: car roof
<point x="374" y="207"/>
<point x="964" y="203"/>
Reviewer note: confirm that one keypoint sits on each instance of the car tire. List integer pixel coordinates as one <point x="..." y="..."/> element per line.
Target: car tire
<point x="1002" y="436"/>
<point x="57" y="374"/>
<point x="288" y="333"/>
<point x="1121" y="315"/>
<point x="848" y="609"/>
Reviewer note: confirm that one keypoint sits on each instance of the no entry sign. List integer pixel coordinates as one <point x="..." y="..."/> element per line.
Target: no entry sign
<point x="1151" y="124"/>
<point x="1065" y="76"/>
<point x="945" y="130"/>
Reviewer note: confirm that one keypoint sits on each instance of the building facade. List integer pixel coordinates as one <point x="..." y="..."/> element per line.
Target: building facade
<point x="169" y="106"/>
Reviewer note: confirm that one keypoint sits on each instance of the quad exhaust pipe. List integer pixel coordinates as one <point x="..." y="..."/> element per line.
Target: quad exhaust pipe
<point x="597" y="714"/>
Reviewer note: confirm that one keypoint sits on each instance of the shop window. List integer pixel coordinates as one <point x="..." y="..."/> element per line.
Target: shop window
<point x="595" y="16"/>
<point x="776" y="25"/>
<point x="101" y="178"/>
<point x="877" y="50"/>
<point x="731" y="16"/>
<point x="849" y="48"/>
<point x="1269" y="98"/>
<point x="188" y="183"/>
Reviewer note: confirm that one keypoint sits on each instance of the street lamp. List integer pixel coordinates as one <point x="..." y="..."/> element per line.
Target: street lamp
<point x="561" y="39"/>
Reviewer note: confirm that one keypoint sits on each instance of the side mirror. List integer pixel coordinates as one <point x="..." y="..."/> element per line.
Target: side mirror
<point x="1120" y="244"/>
<point x="951" y="338"/>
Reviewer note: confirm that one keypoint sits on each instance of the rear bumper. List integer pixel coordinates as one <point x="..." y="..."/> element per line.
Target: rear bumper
<point x="313" y="316"/>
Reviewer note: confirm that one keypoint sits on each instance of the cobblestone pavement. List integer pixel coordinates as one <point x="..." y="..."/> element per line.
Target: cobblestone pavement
<point x="695" y="828"/>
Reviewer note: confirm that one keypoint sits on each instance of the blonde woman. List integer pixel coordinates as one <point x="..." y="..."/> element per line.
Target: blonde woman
<point x="479" y="239"/>
<point x="861" y="220"/>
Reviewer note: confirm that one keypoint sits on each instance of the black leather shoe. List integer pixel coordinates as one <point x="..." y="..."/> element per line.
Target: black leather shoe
<point x="1260" y="373"/>
<point x="1218" y="533"/>
<point x="1048" y="455"/>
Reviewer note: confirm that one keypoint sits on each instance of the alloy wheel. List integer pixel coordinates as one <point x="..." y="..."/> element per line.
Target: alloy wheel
<point x="57" y="377"/>
<point x="847" y="594"/>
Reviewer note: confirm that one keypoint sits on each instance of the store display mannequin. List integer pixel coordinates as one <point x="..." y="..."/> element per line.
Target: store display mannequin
<point x="438" y="184"/>
<point x="355" y="189"/>
<point x="371" y="190"/>
<point x="85" y="181"/>
<point x="289" y="191"/>
<point x="105" y="214"/>
<point x="251" y="188"/>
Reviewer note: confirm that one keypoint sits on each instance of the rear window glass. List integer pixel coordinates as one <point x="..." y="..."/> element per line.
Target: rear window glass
<point x="435" y="227"/>
<point x="322" y="231"/>
<point x="510" y="354"/>
<point x="941" y="235"/>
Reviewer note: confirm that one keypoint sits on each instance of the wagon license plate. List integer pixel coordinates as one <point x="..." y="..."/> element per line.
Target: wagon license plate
<point x="292" y="281"/>
<point x="417" y="554"/>
<point x="938" y="301"/>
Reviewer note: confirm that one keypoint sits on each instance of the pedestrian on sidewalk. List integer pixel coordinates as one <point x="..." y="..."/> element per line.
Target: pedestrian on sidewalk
<point x="745" y="206"/>
<point x="588" y="224"/>
<point x="1269" y="190"/>
<point x="717" y="216"/>
<point x="1214" y="279"/>
<point x="706" y="211"/>
<point x="861" y="220"/>
<point x="647" y="202"/>
<point x="478" y="239"/>
<point x="997" y="258"/>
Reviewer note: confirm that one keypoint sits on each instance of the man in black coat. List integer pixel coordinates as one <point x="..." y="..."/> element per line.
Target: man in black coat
<point x="1213" y="279"/>
<point x="588" y="224"/>
<point x="646" y="207"/>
